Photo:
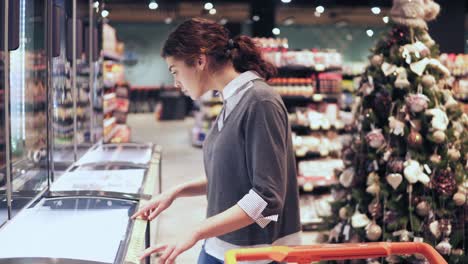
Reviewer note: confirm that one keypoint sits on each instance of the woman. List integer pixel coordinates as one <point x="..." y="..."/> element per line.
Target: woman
<point x="250" y="180"/>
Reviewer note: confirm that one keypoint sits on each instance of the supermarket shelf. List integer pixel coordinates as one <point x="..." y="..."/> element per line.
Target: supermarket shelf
<point x="309" y="156"/>
<point x="308" y="184"/>
<point x="315" y="98"/>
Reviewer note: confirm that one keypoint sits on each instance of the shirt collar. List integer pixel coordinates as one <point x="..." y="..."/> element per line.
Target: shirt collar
<point x="245" y="77"/>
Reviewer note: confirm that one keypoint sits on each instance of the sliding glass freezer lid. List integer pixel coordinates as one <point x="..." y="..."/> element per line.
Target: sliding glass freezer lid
<point x="120" y="181"/>
<point x="140" y="156"/>
<point x="88" y="229"/>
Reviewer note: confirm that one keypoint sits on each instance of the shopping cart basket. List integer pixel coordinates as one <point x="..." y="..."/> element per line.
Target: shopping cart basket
<point x="308" y="254"/>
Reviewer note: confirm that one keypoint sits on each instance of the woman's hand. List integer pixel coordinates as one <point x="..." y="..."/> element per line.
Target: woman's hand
<point x="155" y="206"/>
<point x="171" y="252"/>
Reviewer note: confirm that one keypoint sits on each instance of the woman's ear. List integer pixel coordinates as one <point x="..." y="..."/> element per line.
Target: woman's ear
<point x="201" y="62"/>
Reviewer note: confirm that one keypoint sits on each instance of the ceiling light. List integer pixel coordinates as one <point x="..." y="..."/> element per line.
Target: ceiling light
<point x="370" y="32"/>
<point x="320" y="9"/>
<point x="385" y="19"/>
<point x="208" y="6"/>
<point x="256" y="18"/>
<point x="153" y="5"/>
<point x="168" y="20"/>
<point x="376" y="10"/>
<point x="276" y="31"/>
<point x="212" y="11"/>
<point x="223" y="21"/>
<point x="286" y="1"/>
<point x="96" y="4"/>
<point x="104" y="13"/>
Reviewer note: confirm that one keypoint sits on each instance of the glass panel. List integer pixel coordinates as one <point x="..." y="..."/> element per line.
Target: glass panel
<point x="29" y="104"/>
<point x="62" y="120"/>
<point x="3" y="204"/>
<point x="88" y="229"/>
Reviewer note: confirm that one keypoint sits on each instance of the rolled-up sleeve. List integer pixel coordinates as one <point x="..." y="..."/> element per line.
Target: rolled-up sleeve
<point x="265" y="141"/>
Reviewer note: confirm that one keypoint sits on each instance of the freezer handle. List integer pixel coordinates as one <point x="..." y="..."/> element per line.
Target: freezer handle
<point x="308" y="254"/>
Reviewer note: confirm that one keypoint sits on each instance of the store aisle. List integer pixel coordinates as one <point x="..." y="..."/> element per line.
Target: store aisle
<point x="181" y="162"/>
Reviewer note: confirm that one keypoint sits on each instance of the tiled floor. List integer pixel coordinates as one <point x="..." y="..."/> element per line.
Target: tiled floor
<point x="181" y="163"/>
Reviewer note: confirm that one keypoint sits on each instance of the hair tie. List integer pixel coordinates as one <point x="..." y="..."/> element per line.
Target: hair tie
<point x="232" y="45"/>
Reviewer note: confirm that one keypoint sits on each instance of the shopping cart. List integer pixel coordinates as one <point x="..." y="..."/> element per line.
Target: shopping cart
<point x="308" y="254"/>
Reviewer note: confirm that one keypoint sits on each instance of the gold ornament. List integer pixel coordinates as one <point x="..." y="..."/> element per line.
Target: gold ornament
<point x="459" y="198"/>
<point x="454" y="154"/>
<point x="422" y="209"/>
<point x="373" y="232"/>
<point x="439" y="137"/>
<point x="435" y="158"/>
<point x="428" y="81"/>
<point x="343" y="213"/>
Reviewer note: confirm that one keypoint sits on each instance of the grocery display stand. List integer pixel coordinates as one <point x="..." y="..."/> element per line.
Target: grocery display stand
<point x="87" y="215"/>
<point x="308" y="254"/>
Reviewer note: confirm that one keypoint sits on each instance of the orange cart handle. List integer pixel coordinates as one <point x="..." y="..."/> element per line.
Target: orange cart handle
<point x="308" y="254"/>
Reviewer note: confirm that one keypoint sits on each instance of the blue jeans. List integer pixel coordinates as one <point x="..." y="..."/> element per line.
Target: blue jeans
<point x="204" y="258"/>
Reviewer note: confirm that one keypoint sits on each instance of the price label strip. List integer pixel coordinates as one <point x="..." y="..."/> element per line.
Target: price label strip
<point x="137" y="242"/>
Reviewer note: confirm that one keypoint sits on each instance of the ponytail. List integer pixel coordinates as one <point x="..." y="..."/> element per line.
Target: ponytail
<point x="248" y="57"/>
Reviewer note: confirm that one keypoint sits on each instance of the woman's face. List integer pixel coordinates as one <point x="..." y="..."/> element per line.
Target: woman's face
<point x="191" y="79"/>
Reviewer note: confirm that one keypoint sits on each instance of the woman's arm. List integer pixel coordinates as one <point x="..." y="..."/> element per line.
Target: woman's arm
<point x="191" y="188"/>
<point x="228" y="221"/>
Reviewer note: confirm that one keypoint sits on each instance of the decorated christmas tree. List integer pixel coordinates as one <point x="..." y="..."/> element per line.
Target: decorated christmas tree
<point x="405" y="175"/>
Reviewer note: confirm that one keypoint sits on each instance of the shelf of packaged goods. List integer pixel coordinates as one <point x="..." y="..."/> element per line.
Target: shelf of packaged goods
<point x="306" y="130"/>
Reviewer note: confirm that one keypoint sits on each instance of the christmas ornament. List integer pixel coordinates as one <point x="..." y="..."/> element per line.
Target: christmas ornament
<point x="414" y="172"/>
<point x="375" y="138"/>
<point x="415" y="139"/>
<point x="388" y="68"/>
<point x="359" y="220"/>
<point x="434" y="228"/>
<point x="454" y="154"/>
<point x="373" y="189"/>
<point x="373" y="231"/>
<point x="420" y="66"/>
<point x="382" y="104"/>
<point x="396" y="166"/>
<point x="417" y="102"/>
<point x="377" y="60"/>
<point x="404" y="235"/>
<point x="444" y="182"/>
<point x="396" y="126"/>
<point x="401" y="81"/>
<point x="439" y="120"/>
<point x="417" y="49"/>
<point x="343" y="213"/>
<point x="390" y="216"/>
<point x="394" y="179"/>
<point x="459" y="198"/>
<point x="387" y="155"/>
<point x="347" y="176"/>
<point x="439" y="137"/>
<point x="450" y="102"/>
<point x="444" y="247"/>
<point x="422" y="209"/>
<point x="374" y="208"/>
<point x="435" y="158"/>
<point x="428" y="81"/>
<point x="372" y="178"/>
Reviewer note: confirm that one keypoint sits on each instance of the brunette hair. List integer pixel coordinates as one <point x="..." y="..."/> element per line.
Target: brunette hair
<point x="201" y="36"/>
